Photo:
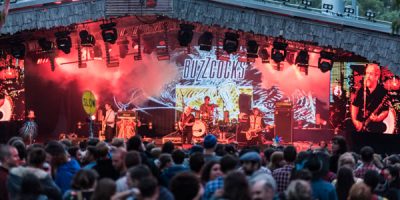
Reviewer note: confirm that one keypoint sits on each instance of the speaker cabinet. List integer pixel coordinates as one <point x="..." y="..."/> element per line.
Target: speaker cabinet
<point x="284" y="123"/>
<point x="244" y="103"/>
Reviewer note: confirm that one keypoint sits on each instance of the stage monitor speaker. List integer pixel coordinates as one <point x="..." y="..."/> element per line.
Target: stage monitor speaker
<point x="284" y="124"/>
<point x="244" y="103"/>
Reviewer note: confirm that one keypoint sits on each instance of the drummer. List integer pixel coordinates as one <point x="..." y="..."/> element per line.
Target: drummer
<point x="207" y="109"/>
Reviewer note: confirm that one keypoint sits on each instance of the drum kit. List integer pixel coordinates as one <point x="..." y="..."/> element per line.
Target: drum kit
<point x="392" y="85"/>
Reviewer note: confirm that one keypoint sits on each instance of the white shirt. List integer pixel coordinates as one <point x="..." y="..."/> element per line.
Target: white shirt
<point x="110" y="118"/>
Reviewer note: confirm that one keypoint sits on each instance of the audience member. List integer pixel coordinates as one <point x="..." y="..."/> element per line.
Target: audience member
<point x="251" y="165"/>
<point x="8" y="159"/>
<point x="339" y="147"/>
<point x="276" y="161"/>
<point x="236" y="187"/>
<point x="118" y="161"/>
<point x="367" y="156"/>
<point x="298" y="190"/>
<point x="210" y="144"/>
<point x="186" y="186"/>
<point x="210" y="171"/>
<point x="345" y="180"/>
<point x="360" y="191"/>
<point x="30" y="188"/>
<point x="104" y="164"/>
<point x="282" y="175"/>
<point x="83" y="185"/>
<point x="263" y="187"/>
<point x="196" y="162"/>
<point x="104" y="189"/>
<point x="178" y="156"/>
<point x="132" y="158"/>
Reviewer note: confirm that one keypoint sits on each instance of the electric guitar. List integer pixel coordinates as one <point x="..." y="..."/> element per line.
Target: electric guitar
<point x="182" y="125"/>
<point x="368" y="120"/>
<point x="252" y="133"/>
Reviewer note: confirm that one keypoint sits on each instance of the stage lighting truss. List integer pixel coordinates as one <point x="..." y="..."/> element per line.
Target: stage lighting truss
<point x="63" y="41"/>
<point x="109" y="32"/>
<point x="370" y="14"/>
<point x="306" y="3"/>
<point x="87" y="40"/>
<point x="136" y="46"/>
<point x="163" y="46"/>
<point x="264" y="55"/>
<point x="327" y="7"/>
<point x="349" y="11"/>
<point x="302" y="60"/>
<point x="325" y="61"/>
<point x="185" y="34"/>
<point x="45" y="45"/>
<point x="231" y="42"/>
<point x="278" y="53"/>
<point x="252" y="49"/>
<point x="205" y="41"/>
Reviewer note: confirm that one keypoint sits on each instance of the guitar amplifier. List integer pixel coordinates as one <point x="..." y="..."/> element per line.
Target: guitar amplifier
<point x="283" y="118"/>
<point x="126" y="124"/>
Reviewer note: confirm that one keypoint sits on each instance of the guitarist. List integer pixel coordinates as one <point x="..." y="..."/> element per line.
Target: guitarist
<point x="256" y="124"/>
<point x="186" y="123"/>
<point x="109" y="121"/>
<point x="371" y="97"/>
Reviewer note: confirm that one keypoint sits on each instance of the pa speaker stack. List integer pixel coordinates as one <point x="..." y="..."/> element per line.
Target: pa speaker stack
<point x="284" y="121"/>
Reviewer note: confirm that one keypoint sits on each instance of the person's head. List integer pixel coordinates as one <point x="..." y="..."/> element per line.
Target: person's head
<point x="228" y="163"/>
<point x="372" y="75"/>
<point x="391" y="174"/>
<point x="118" y="159"/>
<point x="251" y="162"/>
<point x="367" y="154"/>
<point x="267" y="154"/>
<point x="8" y="156"/>
<point x="135" y="174"/>
<point x="196" y="162"/>
<point x="107" y="106"/>
<point x="31" y="114"/>
<point x="178" y="156"/>
<point x="347" y="160"/>
<point x="104" y="190"/>
<point x="206" y="99"/>
<point x="360" y="191"/>
<point x="135" y="143"/>
<point x="84" y="179"/>
<point x="220" y="150"/>
<point x="339" y="145"/>
<point x="210" y="142"/>
<point x="236" y="187"/>
<point x="118" y="143"/>
<point x="165" y="161"/>
<point x="298" y="190"/>
<point x="345" y="180"/>
<point x="30" y="185"/>
<point x="90" y="155"/>
<point x="19" y="144"/>
<point x="210" y="171"/>
<point x="36" y="157"/>
<point x="168" y="147"/>
<point x="56" y="153"/>
<point x="102" y="150"/>
<point x="148" y="188"/>
<point x="155" y="152"/>
<point x="132" y="158"/>
<point x="256" y="111"/>
<point x="277" y="160"/>
<point x="289" y="154"/>
<point x="188" y="110"/>
<point x="371" y="179"/>
<point x="185" y="186"/>
<point x="263" y="187"/>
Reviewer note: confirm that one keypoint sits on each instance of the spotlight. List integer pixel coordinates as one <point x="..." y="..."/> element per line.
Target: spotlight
<point x="252" y="49"/>
<point x="63" y="41"/>
<point x="45" y="44"/>
<point x="370" y="14"/>
<point x="87" y="40"/>
<point x="205" y="41"/>
<point x="109" y="32"/>
<point x="325" y="61"/>
<point x="18" y="50"/>
<point x="302" y="58"/>
<point x="279" y="51"/>
<point x="327" y="6"/>
<point x="349" y="10"/>
<point x="306" y="3"/>
<point x="185" y="35"/>
<point x="264" y="55"/>
<point x="231" y="42"/>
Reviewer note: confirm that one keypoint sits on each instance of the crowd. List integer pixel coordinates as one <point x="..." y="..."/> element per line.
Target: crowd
<point x="134" y="170"/>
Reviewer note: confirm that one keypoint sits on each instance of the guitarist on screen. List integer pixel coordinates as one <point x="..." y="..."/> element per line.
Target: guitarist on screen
<point x="186" y="123"/>
<point x="369" y="107"/>
<point x="256" y="124"/>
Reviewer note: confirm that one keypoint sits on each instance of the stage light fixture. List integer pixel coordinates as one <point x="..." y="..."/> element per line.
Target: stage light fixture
<point x="252" y="49"/>
<point x="264" y="55"/>
<point x="18" y="50"/>
<point x="185" y="34"/>
<point x="370" y="14"/>
<point x="325" y="61"/>
<point x="306" y="3"/>
<point x="205" y="41"/>
<point x="302" y="58"/>
<point x="63" y="41"/>
<point x="231" y="42"/>
<point x="109" y="32"/>
<point x="45" y="44"/>
<point x="279" y="51"/>
<point x="87" y="40"/>
<point x="349" y="10"/>
<point x="327" y="7"/>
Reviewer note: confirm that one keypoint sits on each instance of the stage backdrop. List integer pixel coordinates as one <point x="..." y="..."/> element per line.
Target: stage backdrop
<point x="158" y="89"/>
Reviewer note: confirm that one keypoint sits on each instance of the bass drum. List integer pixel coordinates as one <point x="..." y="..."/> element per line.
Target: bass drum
<point x="199" y="128"/>
<point x="390" y="121"/>
<point x="6" y="110"/>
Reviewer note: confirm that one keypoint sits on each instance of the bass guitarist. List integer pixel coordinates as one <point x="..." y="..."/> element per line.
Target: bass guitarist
<point x="369" y="107"/>
<point x="256" y="124"/>
<point x="186" y="123"/>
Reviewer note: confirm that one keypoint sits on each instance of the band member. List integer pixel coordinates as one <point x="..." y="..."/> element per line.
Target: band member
<point x="186" y="123"/>
<point x="207" y="109"/>
<point x="29" y="130"/>
<point x="256" y="125"/>
<point x="368" y="115"/>
<point x="109" y="121"/>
